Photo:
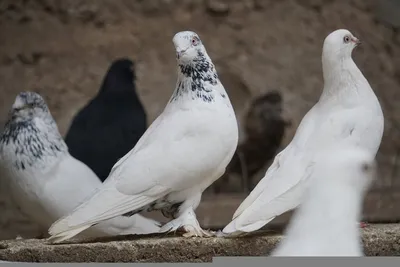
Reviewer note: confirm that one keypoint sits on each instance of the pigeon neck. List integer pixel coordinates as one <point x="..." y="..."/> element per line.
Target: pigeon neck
<point x="37" y="142"/>
<point x="343" y="77"/>
<point x="197" y="79"/>
<point x="117" y="99"/>
<point x="330" y="214"/>
<point x="117" y="85"/>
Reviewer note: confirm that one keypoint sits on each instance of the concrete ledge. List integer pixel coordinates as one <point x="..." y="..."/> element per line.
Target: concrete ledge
<point x="379" y="240"/>
<point x="215" y="211"/>
<point x="380" y="206"/>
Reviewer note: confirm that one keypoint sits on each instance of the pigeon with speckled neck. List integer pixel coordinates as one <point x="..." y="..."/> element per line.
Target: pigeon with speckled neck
<point x="45" y="181"/>
<point x="183" y="152"/>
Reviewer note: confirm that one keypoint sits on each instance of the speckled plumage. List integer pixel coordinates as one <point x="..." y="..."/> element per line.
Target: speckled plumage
<point x="45" y="181"/>
<point x="185" y="149"/>
<point x="200" y="71"/>
<point x="31" y="146"/>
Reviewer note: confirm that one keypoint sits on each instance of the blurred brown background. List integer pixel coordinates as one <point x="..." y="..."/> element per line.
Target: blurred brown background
<point x="62" y="49"/>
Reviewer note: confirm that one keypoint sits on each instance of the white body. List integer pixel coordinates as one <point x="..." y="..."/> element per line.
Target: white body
<point x="183" y="152"/>
<point x="347" y="111"/>
<point x="326" y="223"/>
<point x="55" y="183"/>
<point x="53" y="191"/>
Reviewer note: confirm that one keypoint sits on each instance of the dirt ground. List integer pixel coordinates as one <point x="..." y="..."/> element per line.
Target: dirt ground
<point x="62" y="49"/>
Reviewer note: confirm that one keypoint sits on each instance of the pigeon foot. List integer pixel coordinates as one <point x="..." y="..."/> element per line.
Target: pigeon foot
<point x="193" y="232"/>
<point x="189" y="224"/>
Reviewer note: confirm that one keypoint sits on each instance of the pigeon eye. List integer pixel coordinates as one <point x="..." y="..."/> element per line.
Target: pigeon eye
<point x="195" y="41"/>
<point x="346" y="39"/>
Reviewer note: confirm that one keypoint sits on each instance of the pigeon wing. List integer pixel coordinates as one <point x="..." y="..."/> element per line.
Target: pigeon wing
<point x="137" y="181"/>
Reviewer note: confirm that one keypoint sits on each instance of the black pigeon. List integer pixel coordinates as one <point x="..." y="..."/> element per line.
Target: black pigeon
<point x="110" y="125"/>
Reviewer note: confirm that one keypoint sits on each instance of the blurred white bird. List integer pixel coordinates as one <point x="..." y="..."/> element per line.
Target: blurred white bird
<point x="347" y="110"/>
<point x="46" y="182"/>
<point x="325" y="224"/>
<point x="183" y="152"/>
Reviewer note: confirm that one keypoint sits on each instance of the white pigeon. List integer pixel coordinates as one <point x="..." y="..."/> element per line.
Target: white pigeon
<point x="326" y="222"/>
<point x="183" y="152"/>
<point x="347" y="110"/>
<point x="45" y="181"/>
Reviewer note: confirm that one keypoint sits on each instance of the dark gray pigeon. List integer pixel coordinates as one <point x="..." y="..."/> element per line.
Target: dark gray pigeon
<point x="110" y="125"/>
<point x="264" y="128"/>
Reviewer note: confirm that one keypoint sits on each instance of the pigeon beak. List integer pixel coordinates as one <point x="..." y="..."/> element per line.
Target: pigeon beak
<point x="180" y="52"/>
<point x="19" y="104"/>
<point x="17" y="109"/>
<point x="356" y="41"/>
<point x="133" y="70"/>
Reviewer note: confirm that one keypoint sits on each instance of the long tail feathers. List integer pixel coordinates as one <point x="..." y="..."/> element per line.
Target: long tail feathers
<point x="57" y="238"/>
<point x="234" y="228"/>
<point x="137" y="225"/>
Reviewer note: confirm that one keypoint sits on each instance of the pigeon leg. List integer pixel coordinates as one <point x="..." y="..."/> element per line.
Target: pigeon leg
<point x="185" y="219"/>
<point x="188" y="222"/>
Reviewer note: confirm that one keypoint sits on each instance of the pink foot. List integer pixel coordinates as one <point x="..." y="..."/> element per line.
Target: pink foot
<point x="363" y="224"/>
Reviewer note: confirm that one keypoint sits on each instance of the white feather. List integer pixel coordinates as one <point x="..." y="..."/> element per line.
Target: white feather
<point x="347" y="110"/>
<point x="183" y="152"/>
<point x="51" y="182"/>
<point x="327" y="221"/>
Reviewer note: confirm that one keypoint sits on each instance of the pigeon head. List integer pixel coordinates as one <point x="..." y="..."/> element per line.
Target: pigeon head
<point x="339" y="44"/>
<point x="196" y="72"/>
<point x="120" y="76"/>
<point x="28" y="105"/>
<point x="267" y="107"/>
<point x="273" y="97"/>
<point x="31" y="135"/>
<point x="188" y="46"/>
<point x="124" y="66"/>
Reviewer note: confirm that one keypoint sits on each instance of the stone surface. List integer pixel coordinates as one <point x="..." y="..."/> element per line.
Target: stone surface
<point x="216" y="211"/>
<point x="379" y="240"/>
<point x="63" y="48"/>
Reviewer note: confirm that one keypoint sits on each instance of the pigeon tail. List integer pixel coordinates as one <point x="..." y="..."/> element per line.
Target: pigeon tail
<point x="60" y="237"/>
<point x="235" y="228"/>
<point x="135" y="224"/>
